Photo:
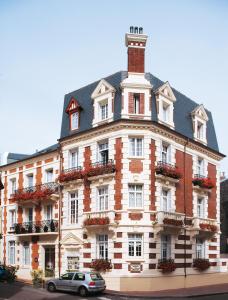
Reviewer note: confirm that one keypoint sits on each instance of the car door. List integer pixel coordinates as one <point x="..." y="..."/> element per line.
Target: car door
<point x="78" y="280"/>
<point x="65" y="282"/>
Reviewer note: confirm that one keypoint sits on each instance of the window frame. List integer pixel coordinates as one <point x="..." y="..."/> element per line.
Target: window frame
<point x="201" y="207"/>
<point x="166" y="245"/>
<point x="135" y="245"/>
<point x="11" y="245"/>
<point x="74" y="216"/>
<point x="103" y="158"/>
<point x="103" y="112"/>
<point x="49" y="171"/>
<point x="25" y="260"/>
<point x="72" y="165"/>
<point x="105" y="197"/>
<point x="13" y="185"/>
<point x="200" y="248"/>
<point x="102" y="246"/>
<point x="74" y="120"/>
<point x="168" y="200"/>
<point x="134" y="147"/>
<point x="76" y="263"/>
<point x="135" y="192"/>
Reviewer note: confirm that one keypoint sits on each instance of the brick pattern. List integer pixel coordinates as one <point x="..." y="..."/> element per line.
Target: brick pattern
<point x="152" y="175"/>
<point x="87" y="190"/>
<point x="118" y="175"/>
<point x="136" y="166"/>
<point x="136" y="60"/>
<point x="35" y="254"/>
<point x="212" y="211"/>
<point x="135" y="216"/>
<point x="141" y="103"/>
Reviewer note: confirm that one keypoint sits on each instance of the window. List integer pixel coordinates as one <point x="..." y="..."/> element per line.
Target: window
<point x="11" y="246"/>
<point x="67" y="276"/>
<point x="73" y="158"/>
<point x="136" y="98"/>
<point x="73" y="208"/>
<point x="135" y="245"/>
<point x="30" y="215"/>
<point x="103" y="152"/>
<point x="79" y="276"/>
<point x="166" y="200"/>
<point x="26" y="254"/>
<point x="200" y="248"/>
<point x="49" y="175"/>
<point x="165" y="246"/>
<point x="200" y="208"/>
<point x="74" y="120"/>
<point x="104" y="110"/>
<point x="49" y="212"/>
<point x="165" y="112"/>
<point x="12" y="218"/>
<point x="13" y="185"/>
<point x="200" y="166"/>
<point x="165" y="153"/>
<point x="102" y="246"/>
<point x="30" y="180"/>
<point x="135" y="145"/>
<point x="200" y="131"/>
<point x="72" y="263"/>
<point x="135" y="196"/>
<point x="102" y="203"/>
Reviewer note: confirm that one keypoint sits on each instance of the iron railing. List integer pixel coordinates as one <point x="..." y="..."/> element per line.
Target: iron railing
<point x="103" y="163"/>
<point x="74" y="169"/>
<point x="199" y="176"/>
<point x="165" y="164"/>
<point x="36" y="227"/>
<point x="53" y="186"/>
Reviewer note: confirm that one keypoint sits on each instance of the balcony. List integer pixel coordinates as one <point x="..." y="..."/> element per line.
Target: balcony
<point x="205" y="228"/>
<point x="101" y="170"/>
<point x="202" y="183"/>
<point x="95" y="220"/>
<point x="169" y="222"/>
<point x="47" y="191"/>
<point x="36" y="228"/>
<point x="72" y="174"/>
<point x="167" y="172"/>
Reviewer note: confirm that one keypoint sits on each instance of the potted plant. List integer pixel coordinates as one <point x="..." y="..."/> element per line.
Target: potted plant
<point x="37" y="278"/>
<point x="205" y="183"/>
<point x="17" y="229"/>
<point x="167" y="265"/>
<point x="29" y="229"/>
<point x="201" y="264"/>
<point x="52" y="226"/>
<point x="169" y="171"/>
<point x="37" y="228"/>
<point x="101" y="265"/>
<point x="45" y="228"/>
<point x="173" y="222"/>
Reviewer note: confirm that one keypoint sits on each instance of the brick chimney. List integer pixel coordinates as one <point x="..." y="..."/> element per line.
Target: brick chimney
<point x="136" y="42"/>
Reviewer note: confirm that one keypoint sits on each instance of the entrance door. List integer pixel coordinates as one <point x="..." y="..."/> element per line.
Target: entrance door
<point x="49" y="262"/>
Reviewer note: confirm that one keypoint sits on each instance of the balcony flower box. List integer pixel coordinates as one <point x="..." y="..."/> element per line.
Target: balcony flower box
<point x="168" y="171"/>
<point x="101" y="265"/>
<point x="166" y="265"/>
<point x="209" y="227"/>
<point x="96" y="221"/>
<point x="101" y="169"/>
<point x="173" y="222"/>
<point x="205" y="183"/>
<point x="201" y="264"/>
<point x="36" y="195"/>
<point x="71" y="175"/>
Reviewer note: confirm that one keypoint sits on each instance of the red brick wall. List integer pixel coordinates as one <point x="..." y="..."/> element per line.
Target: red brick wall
<point x="35" y="254"/>
<point x="152" y="175"/>
<point x="136" y="60"/>
<point x="136" y="165"/>
<point x="118" y="176"/>
<point x="142" y="103"/>
<point x="212" y="211"/>
<point x="131" y="103"/>
<point x="87" y="190"/>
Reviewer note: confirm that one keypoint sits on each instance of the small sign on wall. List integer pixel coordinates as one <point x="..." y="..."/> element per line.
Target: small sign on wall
<point x="135" y="267"/>
<point x="36" y="259"/>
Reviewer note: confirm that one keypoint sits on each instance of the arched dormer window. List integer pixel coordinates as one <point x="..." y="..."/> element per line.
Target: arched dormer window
<point x="73" y="110"/>
<point x="199" y="121"/>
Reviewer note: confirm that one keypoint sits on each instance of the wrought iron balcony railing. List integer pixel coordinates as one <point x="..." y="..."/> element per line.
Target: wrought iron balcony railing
<point x="165" y="164"/>
<point x="199" y="176"/>
<point x="52" y="186"/>
<point x="74" y="169"/>
<point x="45" y="226"/>
<point x="101" y="168"/>
<point x="103" y="163"/>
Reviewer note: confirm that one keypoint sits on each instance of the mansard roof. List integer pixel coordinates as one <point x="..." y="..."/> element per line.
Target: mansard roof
<point x="183" y="107"/>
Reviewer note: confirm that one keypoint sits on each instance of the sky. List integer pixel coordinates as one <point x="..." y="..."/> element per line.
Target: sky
<point x="51" y="47"/>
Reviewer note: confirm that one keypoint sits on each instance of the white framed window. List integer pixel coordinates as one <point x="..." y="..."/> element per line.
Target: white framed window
<point x="165" y="246"/>
<point x="72" y="263"/>
<point x="200" y="248"/>
<point x="200" y="166"/>
<point x="11" y="252"/>
<point x="165" y="112"/>
<point x="30" y="180"/>
<point x="136" y="147"/>
<point x="136" y="99"/>
<point x="135" y="245"/>
<point x="135" y="195"/>
<point x="73" y="208"/>
<point x="49" y="212"/>
<point x="200" y="130"/>
<point x="102" y="246"/>
<point x="13" y="184"/>
<point x="73" y="158"/>
<point x="29" y="214"/>
<point x="26" y="254"/>
<point x="12" y="218"/>
<point x="103" y="110"/>
<point x="74" y="120"/>
<point x="103" y="152"/>
<point x="102" y="201"/>
<point x="166" y="200"/>
<point x="49" y="175"/>
<point x="200" y="207"/>
<point x="165" y="153"/>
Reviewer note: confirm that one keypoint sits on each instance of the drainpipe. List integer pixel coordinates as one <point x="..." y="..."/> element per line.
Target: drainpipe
<point x="60" y="210"/>
<point x="185" y="208"/>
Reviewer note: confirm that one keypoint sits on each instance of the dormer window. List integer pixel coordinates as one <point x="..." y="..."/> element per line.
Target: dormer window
<point x="166" y="112"/>
<point x="74" y="121"/>
<point x="73" y="110"/>
<point x="136" y="103"/>
<point x="200" y="131"/>
<point x="199" y="120"/>
<point x="103" y="110"/>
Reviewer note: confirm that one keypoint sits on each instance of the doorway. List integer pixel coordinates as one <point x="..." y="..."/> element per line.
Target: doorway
<point x="49" y="261"/>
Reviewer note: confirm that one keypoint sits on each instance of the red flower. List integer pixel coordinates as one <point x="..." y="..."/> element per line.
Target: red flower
<point x="168" y="171"/>
<point x="101" y="265"/>
<point x="100" y="170"/>
<point x="209" y="227"/>
<point x="167" y="265"/>
<point x="72" y="175"/>
<point x="205" y="183"/>
<point x="96" y="221"/>
<point x="201" y="264"/>
<point x="173" y="222"/>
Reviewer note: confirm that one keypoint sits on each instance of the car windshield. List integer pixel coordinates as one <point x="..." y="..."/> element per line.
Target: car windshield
<point x="96" y="276"/>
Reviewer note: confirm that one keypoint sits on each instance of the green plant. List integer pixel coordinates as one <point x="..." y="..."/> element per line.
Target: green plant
<point x="37" y="277"/>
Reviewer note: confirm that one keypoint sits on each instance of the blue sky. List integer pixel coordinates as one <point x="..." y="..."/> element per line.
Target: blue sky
<point x="51" y="47"/>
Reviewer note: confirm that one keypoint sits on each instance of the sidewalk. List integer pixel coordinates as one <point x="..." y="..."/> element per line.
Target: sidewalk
<point x="168" y="294"/>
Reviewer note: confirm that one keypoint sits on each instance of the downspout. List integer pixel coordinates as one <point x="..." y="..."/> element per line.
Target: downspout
<point x="185" y="208"/>
<point x="60" y="210"/>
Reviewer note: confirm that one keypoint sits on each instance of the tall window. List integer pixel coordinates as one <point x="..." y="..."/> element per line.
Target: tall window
<point x="26" y="254"/>
<point x="73" y="208"/>
<point x="49" y="175"/>
<point x="102" y="203"/>
<point x="74" y="120"/>
<point x="49" y="212"/>
<point x="11" y="252"/>
<point x="200" y="208"/>
<point x="30" y="214"/>
<point x="199" y="131"/>
<point x="165" y="153"/>
<point x="135" y="196"/>
<point x="103" y="152"/>
<point x="12" y="218"/>
<point x="165" y="112"/>
<point x="200" y="248"/>
<point x="134" y="245"/>
<point x="136" y="99"/>
<point x="104" y="110"/>
<point x="13" y="185"/>
<point x="165" y="246"/>
<point x="200" y="166"/>
<point x="135" y="147"/>
<point x="73" y="158"/>
<point x="30" y="180"/>
<point x="102" y="246"/>
<point x="166" y="200"/>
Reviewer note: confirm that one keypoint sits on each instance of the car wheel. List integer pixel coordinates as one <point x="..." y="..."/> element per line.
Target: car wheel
<point x="83" y="291"/>
<point x="51" y="287"/>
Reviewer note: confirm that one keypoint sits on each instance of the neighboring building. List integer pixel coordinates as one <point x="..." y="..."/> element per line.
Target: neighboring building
<point x="224" y="215"/>
<point x="139" y="177"/>
<point x="8" y="157"/>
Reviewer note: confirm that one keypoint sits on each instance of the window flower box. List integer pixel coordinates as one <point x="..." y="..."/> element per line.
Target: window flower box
<point x="101" y="265"/>
<point x="173" y="222"/>
<point x="101" y="169"/>
<point x="166" y="265"/>
<point x="168" y="170"/>
<point x="209" y="227"/>
<point x="97" y="221"/>
<point x="205" y="183"/>
<point x="201" y="264"/>
<point x="72" y="174"/>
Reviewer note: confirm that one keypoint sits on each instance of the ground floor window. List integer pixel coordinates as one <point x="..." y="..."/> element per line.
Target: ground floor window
<point x="165" y="246"/>
<point x="72" y="263"/>
<point x="26" y="254"/>
<point x="200" y="248"/>
<point x="102" y="246"/>
<point x="11" y="251"/>
<point x="135" y="245"/>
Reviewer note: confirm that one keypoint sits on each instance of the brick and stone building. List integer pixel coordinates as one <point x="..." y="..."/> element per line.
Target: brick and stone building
<point x="224" y="215"/>
<point x="135" y="181"/>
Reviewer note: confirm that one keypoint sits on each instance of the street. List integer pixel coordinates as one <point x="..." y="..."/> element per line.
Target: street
<point x="20" y="291"/>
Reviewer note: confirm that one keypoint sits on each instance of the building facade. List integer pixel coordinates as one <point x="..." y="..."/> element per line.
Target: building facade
<point x="135" y="181"/>
<point x="224" y="215"/>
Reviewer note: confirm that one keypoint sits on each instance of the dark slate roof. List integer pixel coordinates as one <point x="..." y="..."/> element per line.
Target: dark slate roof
<point x="1" y="185"/>
<point x="17" y="156"/>
<point x="182" y="109"/>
